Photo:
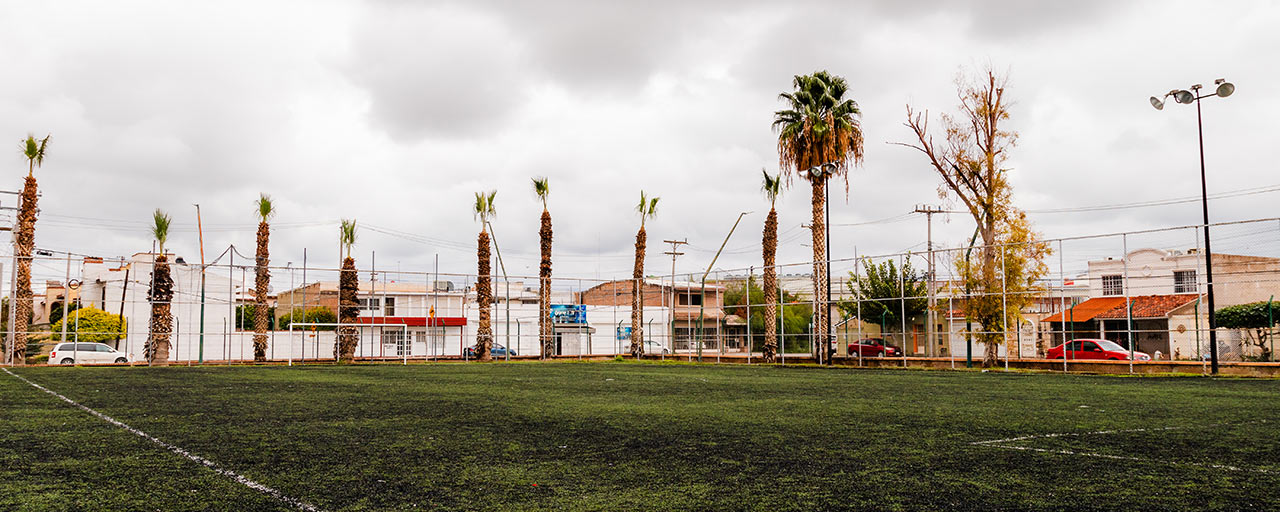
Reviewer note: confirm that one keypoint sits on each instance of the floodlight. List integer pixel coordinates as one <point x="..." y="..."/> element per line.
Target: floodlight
<point x="1224" y="88"/>
<point x="1184" y="96"/>
<point x="1155" y="102"/>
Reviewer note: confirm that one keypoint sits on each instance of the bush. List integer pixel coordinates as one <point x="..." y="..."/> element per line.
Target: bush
<point x="40" y="359"/>
<point x="244" y="317"/>
<point x="93" y="324"/>
<point x="317" y="314"/>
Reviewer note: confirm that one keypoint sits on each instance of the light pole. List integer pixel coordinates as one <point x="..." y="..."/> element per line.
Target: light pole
<point x="1224" y="89"/>
<point x="824" y="173"/>
<point x="702" y="304"/>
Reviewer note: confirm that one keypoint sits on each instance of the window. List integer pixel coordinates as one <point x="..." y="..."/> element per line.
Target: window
<point x="1113" y="285"/>
<point x="1184" y="281"/>
<point x="372" y="304"/>
<point x="395" y="339"/>
<point x="1090" y="346"/>
<point x="391" y="306"/>
<point x="434" y="339"/>
<point x="693" y="300"/>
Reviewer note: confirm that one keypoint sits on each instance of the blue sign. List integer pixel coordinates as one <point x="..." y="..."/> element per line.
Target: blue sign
<point x="624" y="333"/>
<point x="568" y="314"/>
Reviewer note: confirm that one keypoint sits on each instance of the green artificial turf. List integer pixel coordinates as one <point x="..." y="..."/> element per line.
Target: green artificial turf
<point x="607" y="436"/>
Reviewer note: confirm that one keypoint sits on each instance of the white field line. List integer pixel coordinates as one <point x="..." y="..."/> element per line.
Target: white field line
<point x="245" y="481"/>
<point x="1003" y="443"/>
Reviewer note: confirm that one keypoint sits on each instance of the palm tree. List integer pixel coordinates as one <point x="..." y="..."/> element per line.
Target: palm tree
<point x="772" y="186"/>
<point x="262" y="277"/>
<point x="161" y="296"/>
<point x="545" y="334"/>
<point x="819" y="135"/>
<point x="484" y="210"/>
<point x="26" y="243"/>
<point x="647" y="208"/>
<point x="344" y="351"/>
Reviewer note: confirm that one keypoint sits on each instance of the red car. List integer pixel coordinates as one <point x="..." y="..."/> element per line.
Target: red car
<point x="873" y="347"/>
<point x="1095" y="349"/>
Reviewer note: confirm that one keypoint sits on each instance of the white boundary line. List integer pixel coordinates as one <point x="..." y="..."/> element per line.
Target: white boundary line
<point x="245" y="481"/>
<point x="1003" y="443"/>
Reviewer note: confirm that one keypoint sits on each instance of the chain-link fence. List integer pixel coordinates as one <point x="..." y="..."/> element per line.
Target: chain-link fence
<point x="1137" y="297"/>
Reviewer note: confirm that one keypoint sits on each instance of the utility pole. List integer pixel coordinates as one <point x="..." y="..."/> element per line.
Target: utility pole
<point x="200" y="230"/>
<point x="928" y="211"/>
<point x="674" y="252"/>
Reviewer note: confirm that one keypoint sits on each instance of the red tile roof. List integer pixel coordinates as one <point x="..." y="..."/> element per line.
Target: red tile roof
<point x="1150" y="306"/>
<point x="1087" y="310"/>
<point x="1144" y="306"/>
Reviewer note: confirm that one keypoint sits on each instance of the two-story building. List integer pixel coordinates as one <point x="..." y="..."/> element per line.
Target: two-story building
<point x="687" y="310"/>
<point x="1156" y="298"/>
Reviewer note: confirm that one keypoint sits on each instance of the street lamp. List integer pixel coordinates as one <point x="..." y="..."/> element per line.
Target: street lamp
<point x="1224" y="89"/>
<point x="824" y="172"/>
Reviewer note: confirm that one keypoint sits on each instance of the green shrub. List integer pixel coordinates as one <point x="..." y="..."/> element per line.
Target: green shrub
<point x="93" y="324"/>
<point x="317" y="315"/>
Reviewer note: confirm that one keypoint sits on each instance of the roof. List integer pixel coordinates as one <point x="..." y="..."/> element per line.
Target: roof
<point x="1087" y="310"/>
<point x="1151" y="306"/>
<point x="1110" y="308"/>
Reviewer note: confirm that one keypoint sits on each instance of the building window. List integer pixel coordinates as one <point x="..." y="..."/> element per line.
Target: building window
<point x="390" y="305"/>
<point x="372" y="304"/>
<point x="1113" y="285"/>
<point x="693" y="300"/>
<point x="1184" y="281"/>
<point x="395" y="340"/>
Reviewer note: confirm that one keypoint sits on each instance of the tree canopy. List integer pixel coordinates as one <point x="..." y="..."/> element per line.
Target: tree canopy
<point x="879" y="290"/>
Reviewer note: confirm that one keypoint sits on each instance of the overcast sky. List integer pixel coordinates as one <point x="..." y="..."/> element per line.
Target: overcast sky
<point x="394" y="113"/>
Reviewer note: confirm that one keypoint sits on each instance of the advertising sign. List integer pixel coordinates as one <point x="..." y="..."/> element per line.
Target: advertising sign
<point x="568" y="314"/>
<point x="624" y="333"/>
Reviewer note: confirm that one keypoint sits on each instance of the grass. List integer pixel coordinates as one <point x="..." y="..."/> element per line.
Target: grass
<point x="605" y="436"/>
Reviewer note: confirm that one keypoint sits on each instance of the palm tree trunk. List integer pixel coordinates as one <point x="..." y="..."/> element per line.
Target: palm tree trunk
<point x="262" y="277"/>
<point x="818" y="227"/>
<point x="770" y="287"/>
<point x="348" y="312"/>
<point x="25" y="246"/>
<point x="484" y="296"/>
<point x="545" y="327"/>
<point x="157" y="348"/>
<point x="637" y="297"/>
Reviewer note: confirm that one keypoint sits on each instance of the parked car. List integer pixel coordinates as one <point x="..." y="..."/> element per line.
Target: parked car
<point x="655" y="348"/>
<point x="86" y="353"/>
<point x="873" y="347"/>
<point x="1094" y="349"/>
<point x="496" y="351"/>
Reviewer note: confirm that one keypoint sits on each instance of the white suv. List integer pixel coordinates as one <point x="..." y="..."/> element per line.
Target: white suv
<point x="82" y="353"/>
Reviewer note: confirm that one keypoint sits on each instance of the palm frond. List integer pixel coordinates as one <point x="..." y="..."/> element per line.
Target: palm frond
<point x="347" y="234"/>
<point x="160" y="227"/>
<point x="484" y="208"/>
<point x="542" y="188"/>
<point x="771" y="186"/>
<point x="266" y="209"/>
<point x="653" y="207"/>
<point x="644" y="202"/>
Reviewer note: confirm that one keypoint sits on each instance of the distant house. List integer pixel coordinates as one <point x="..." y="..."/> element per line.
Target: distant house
<point x="1157" y="299"/>
<point x="689" y="306"/>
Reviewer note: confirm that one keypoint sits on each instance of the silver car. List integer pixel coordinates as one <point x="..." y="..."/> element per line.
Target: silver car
<point x="86" y="353"/>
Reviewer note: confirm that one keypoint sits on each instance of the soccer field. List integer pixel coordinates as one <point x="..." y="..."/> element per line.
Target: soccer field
<point x="639" y="436"/>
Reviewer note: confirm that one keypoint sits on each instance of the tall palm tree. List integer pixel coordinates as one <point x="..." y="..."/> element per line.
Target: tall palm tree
<point x="484" y="210"/>
<point x="772" y="186"/>
<point x="262" y="278"/>
<point x="545" y="334"/>
<point x="647" y="208"/>
<point x="344" y="351"/>
<point x="160" y="296"/>
<point x="819" y="136"/>
<point x="26" y="243"/>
